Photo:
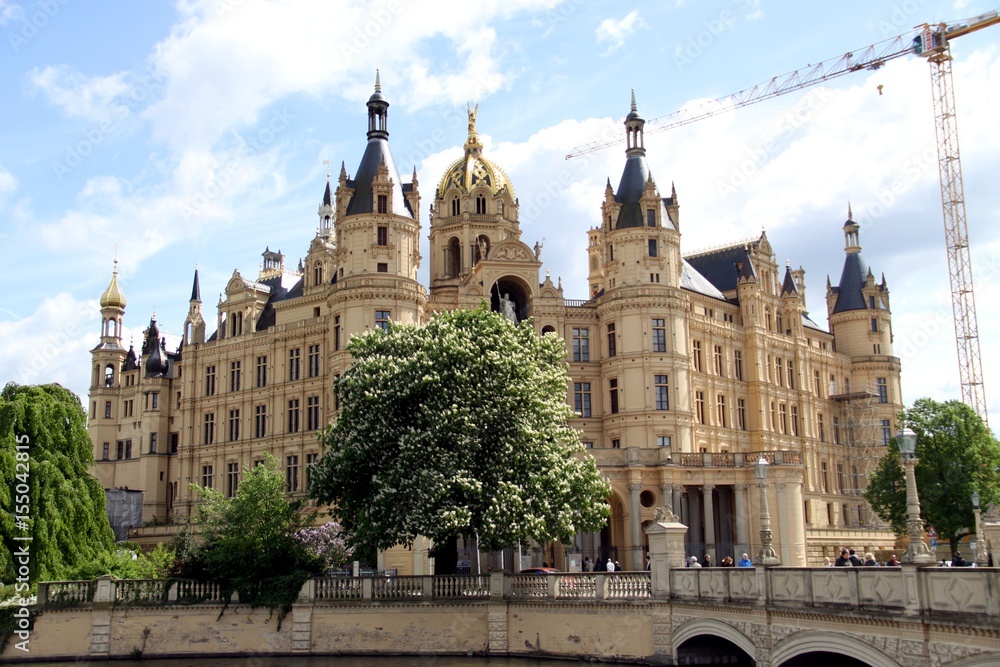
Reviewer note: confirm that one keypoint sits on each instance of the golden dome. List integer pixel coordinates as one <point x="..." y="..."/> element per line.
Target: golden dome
<point x="113" y="297"/>
<point x="473" y="170"/>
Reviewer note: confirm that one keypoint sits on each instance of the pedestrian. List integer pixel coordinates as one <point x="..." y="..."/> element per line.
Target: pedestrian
<point x="649" y="563"/>
<point x="870" y="560"/>
<point x="693" y="562"/>
<point x="586" y="564"/>
<point x="610" y="566"/>
<point x="745" y="562"/>
<point x="728" y="562"/>
<point x="845" y="559"/>
<point x="892" y="562"/>
<point x="618" y="568"/>
<point x="826" y="562"/>
<point x="958" y="561"/>
<point x="855" y="561"/>
<point x="706" y="561"/>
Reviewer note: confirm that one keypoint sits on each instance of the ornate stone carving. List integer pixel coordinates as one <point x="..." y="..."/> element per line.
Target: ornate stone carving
<point x="663" y="514"/>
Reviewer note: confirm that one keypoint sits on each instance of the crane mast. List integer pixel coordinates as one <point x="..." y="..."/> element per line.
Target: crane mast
<point x="932" y="43"/>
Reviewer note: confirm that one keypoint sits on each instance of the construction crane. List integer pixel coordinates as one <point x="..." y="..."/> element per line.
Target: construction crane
<point x="933" y="43"/>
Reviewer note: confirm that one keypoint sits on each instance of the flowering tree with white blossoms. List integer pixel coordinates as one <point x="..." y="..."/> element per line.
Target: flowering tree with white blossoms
<point x="327" y="542"/>
<point x="458" y="429"/>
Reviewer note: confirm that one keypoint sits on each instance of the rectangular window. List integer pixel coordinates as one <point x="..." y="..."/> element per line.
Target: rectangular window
<point x="260" y="421"/>
<point x="613" y="384"/>
<point x="773" y="417"/>
<point x="232" y="479"/>
<point x="382" y="318"/>
<point x="886" y="433"/>
<point x="581" y="344"/>
<point x="661" y="392"/>
<point x="106" y="451"/>
<point x="659" y="335"/>
<point x="790" y="366"/>
<point x="207" y="479"/>
<point x="652" y="247"/>
<point x="293" y="415"/>
<point x="295" y="363"/>
<point x="696" y="354"/>
<point x="651" y="217"/>
<point x="587" y="444"/>
<point x="738" y="364"/>
<point x="107" y="409"/>
<point x="336" y="332"/>
<point x="120" y="452"/>
<point x="261" y="372"/>
<point x="663" y="441"/>
<point x="292" y="473"/>
<point x="783" y="415"/>
<point x="312" y="413"/>
<point x="616" y="443"/>
<point x="699" y="406"/>
<point x="175" y="439"/>
<point x="210" y="380"/>
<point x="155" y="398"/>
<point x="234" y="376"/>
<point x="840" y="477"/>
<point x="883" y="390"/>
<point x="581" y="398"/>
<point x="234" y="425"/>
<point x="720" y="410"/>
<point x="612" y="343"/>
<point x="817" y="384"/>
<point x="313" y="361"/>
<point x="741" y="414"/>
<point x="311" y="460"/>
<point x="382" y="203"/>
<point x="795" y="419"/>
<point x="383" y="234"/>
<point x="209" y="431"/>
<point x="718" y="361"/>
<point x="128" y="449"/>
<point x="824" y="481"/>
<point x="874" y="325"/>
<point x="836" y="430"/>
<point x="819" y="427"/>
<point x="382" y="267"/>
<point x="336" y="393"/>
<point x="779" y="373"/>
<point x="152" y="443"/>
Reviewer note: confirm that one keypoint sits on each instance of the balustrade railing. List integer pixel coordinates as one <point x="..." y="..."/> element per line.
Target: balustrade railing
<point x="140" y="591"/>
<point x="461" y="586"/>
<point x="66" y="593"/>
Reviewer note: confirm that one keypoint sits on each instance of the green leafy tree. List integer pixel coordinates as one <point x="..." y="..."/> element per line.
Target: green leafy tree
<point x="457" y="429"/>
<point x="65" y="504"/>
<point x="957" y="455"/>
<point x="248" y="542"/>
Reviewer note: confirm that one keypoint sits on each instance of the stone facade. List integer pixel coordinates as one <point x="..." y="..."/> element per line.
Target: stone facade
<point x="686" y="370"/>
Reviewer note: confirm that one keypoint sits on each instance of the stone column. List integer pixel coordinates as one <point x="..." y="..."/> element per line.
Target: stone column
<point x="784" y="547"/>
<point x="677" y="490"/>
<point x="795" y="530"/>
<point x="709" y="512"/>
<point x="634" y="560"/>
<point x="666" y="549"/>
<point x="740" y="491"/>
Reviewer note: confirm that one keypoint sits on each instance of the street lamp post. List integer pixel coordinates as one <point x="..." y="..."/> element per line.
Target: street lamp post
<point x="917" y="552"/>
<point x="982" y="558"/>
<point x="766" y="555"/>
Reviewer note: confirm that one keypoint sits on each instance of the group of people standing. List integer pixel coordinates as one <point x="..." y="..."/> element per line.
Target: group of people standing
<point x="725" y="562"/>
<point x="850" y="559"/>
<point x="600" y="566"/>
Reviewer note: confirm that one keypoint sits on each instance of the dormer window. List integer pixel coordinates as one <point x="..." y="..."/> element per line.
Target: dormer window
<point x="651" y="219"/>
<point x="382" y="202"/>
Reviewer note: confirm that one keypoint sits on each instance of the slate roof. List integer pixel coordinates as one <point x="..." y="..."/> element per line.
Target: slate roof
<point x="721" y="266"/>
<point x="852" y="279"/>
<point x="694" y="281"/>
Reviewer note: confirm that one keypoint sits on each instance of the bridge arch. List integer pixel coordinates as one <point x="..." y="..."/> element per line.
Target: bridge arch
<point x="817" y="641"/>
<point x="711" y="627"/>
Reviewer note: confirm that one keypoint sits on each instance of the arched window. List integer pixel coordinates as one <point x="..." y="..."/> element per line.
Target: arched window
<point x="239" y="324"/>
<point x="480" y="204"/>
<point x="481" y="248"/>
<point x="548" y="328"/>
<point x="767" y="317"/>
<point x="455" y="206"/>
<point x="453" y="258"/>
<point x="109" y="376"/>
<point x="318" y="274"/>
<point x="780" y="320"/>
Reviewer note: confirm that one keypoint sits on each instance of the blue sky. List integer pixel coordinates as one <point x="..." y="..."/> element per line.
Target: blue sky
<point x="194" y="133"/>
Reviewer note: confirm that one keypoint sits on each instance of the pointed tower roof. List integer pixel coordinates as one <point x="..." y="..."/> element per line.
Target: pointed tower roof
<point x="748" y="273"/>
<point x="636" y="173"/>
<point x="855" y="272"/>
<point x="328" y="194"/>
<point x="113" y="296"/>
<point x="196" y="288"/>
<point x="377" y="152"/>
<point x="788" y="287"/>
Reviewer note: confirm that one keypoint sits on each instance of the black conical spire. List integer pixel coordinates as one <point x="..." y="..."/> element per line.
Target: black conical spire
<point x="196" y="288"/>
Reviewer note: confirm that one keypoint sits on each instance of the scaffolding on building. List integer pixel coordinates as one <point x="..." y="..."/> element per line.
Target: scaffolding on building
<point x="862" y="437"/>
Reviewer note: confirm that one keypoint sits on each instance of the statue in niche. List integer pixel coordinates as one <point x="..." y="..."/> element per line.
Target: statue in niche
<point x="507" y="308"/>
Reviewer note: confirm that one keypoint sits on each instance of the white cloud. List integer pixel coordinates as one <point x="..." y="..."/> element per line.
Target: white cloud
<point x="10" y="10"/>
<point x="8" y="184"/>
<point x="51" y="344"/>
<point x="76" y="94"/>
<point x="616" y="31"/>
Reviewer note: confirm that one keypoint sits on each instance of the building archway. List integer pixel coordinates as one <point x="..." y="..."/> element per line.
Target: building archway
<point x="708" y="641"/>
<point x="811" y="646"/>
<point x="515" y="290"/>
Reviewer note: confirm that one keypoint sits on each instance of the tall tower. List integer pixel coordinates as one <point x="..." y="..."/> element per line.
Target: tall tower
<point x="106" y="361"/>
<point x="194" y="324"/>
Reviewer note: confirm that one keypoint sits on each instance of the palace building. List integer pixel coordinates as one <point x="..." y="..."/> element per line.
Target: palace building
<point x="686" y="370"/>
